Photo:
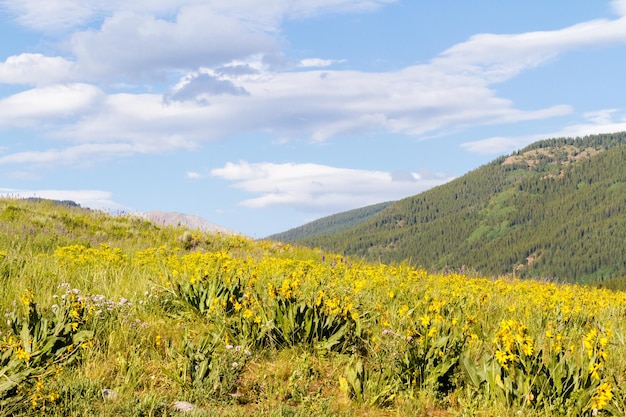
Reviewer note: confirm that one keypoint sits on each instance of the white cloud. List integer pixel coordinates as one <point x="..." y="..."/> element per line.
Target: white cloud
<point x="607" y="121"/>
<point x="130" y="44"/>
<point x="597" y="122"/>
<point x="495" y="145"/>
<point x="114" y="39"/>
<point x="46" y="15"/>
<point x="227" y="88"/>
<point x="497" y="58"/>
<point x="55" y="102"/>
<point x="35" y="69"/>
<point x="321" y="188"/>
<point x="619" y="6"/>
<point x="50" y="15"/>
<point x="317" y="62"/>
<point x="94" y="199"/>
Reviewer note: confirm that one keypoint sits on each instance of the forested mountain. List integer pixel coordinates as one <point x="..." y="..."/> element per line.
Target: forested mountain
<point x="330" y="224"/>
<point x="555" y="210"/>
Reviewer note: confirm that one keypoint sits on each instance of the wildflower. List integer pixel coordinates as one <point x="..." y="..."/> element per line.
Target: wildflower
<point x="432" y="332"/>
<point x="502" y="358"/>
<point x="589" y="342"/>
<point x="22" y="355"/>
<point x="27" y="298"/>
<point x="527" y="347"/>
<point x="593" y="370"/>
<point x="604" y="341"/>
<point x="403" y="310"/>
<point x="604" y="394"/>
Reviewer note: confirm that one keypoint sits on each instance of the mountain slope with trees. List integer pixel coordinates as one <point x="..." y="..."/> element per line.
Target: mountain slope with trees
<point x="331" y="224"/>
<point x="553" y="210"/>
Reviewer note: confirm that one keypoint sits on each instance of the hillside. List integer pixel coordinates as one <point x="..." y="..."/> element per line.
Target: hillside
<point x="553" y="210"/>
<point x="113" y="316"/>
<point x="330" y="224"/>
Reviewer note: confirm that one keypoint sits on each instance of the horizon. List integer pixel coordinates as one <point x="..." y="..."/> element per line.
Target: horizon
<point x="263" y="119"/>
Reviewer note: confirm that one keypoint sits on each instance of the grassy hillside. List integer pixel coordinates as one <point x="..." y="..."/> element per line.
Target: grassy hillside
<point x="553" y="210"/>
<point x="114" y="316"/>
<point x="330" y="224"/>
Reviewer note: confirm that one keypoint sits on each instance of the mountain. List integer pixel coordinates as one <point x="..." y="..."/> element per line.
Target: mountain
<point x="330" y="224"/>
<point x="164" y="218"/>
<point x="553" y="210"/>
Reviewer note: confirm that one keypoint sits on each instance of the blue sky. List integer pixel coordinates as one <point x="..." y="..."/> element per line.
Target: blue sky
<point x="262" y="116"/>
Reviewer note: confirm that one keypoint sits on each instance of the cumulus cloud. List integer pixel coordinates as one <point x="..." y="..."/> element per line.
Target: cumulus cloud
<point x="131" y="44"/>
<point x="94" y="199"/>
<point x="321" y="188"/>
<point x="150" y="37"/>
<point x="35" y="69"/>
<point x="219" y="51"/>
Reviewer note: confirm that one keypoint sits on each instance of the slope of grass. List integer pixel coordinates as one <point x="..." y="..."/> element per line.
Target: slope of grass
<point x="113" y="316"/>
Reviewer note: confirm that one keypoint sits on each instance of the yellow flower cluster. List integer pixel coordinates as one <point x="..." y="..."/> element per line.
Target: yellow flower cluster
<point x="602" y="397"/>
<point x="80" y="256"/>
<point x="596" y="345"/>
<point x="512" y="340"/>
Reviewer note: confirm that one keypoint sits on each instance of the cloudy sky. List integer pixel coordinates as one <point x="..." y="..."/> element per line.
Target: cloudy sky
<point x="263" y="115"/>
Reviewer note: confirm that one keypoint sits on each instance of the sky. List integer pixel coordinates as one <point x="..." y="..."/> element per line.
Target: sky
<point x="261" y="116"/>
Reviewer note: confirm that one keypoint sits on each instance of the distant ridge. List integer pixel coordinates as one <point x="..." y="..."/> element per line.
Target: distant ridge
<point x="554" y="210"/>
<point x="174" y="219"/>
<point x="330" y="224"/>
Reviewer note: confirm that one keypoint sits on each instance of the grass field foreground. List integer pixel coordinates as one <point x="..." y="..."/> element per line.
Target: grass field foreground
<point x="112" y="315"/>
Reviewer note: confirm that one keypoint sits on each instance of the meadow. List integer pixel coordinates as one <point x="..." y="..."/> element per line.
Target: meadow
<point x="107" y="315"/>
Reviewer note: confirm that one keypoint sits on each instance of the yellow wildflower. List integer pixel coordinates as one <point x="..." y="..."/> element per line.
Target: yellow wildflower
<point x="604" y="394"/>
<point x="22" y="355"/>
<point x="432" y="332"/>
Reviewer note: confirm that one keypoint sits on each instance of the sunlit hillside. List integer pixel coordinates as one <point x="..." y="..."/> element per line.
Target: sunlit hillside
<point x="114" y="316"/>
<point x="553" y="210"/>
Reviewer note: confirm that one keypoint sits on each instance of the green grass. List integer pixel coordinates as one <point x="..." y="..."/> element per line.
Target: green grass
<point x="239" y="327"/>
